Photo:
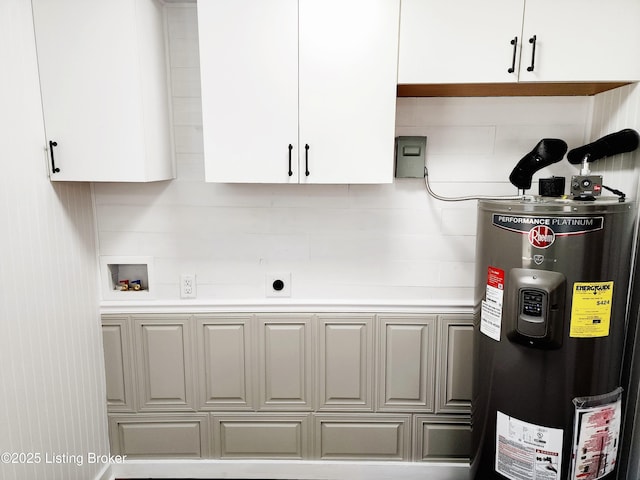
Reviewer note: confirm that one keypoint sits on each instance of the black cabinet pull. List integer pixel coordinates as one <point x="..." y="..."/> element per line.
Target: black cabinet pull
<point x="290" y="171"/>
<point x="52" y="144"/>
<point x="306" y="159"/>
<point x="532" y="40"/>
<point x="514" y="42"/>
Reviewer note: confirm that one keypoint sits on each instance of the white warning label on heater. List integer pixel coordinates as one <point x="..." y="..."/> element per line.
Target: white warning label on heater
<point x="525" y="451"/>
<point x="596" y="436"/>
<point x="491" y="314"/>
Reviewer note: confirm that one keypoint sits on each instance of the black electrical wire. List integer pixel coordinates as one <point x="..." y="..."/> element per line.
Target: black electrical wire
<point x="616" y="192"/>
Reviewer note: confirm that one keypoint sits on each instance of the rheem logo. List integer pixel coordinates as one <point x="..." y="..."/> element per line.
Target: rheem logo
<point x="541" y="236"/>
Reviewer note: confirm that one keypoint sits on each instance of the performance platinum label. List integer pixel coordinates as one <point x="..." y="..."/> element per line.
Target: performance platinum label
<point x="542" y="231"/>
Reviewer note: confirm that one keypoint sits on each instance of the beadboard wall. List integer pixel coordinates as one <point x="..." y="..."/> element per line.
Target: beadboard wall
<point x="344" y="243"/>
<point x="613" y="111"/>
<point x="52" y="385"/>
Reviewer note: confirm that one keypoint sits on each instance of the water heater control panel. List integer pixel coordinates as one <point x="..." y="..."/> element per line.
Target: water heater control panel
<point x="532" y="312"/>
<point x="586" y="186"/>
<point x="533" y="302"/>
<point x="535" y="307"/>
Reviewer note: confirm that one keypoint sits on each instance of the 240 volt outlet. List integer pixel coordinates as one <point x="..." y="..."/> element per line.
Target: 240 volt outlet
<point x="278" y="285"/>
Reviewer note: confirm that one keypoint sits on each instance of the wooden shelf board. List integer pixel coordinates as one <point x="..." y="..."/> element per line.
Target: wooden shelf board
<point x="506" y="89"/>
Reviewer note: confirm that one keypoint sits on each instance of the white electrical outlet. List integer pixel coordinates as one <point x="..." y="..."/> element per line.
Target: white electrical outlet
<point x="188" y="286"/>
<point x="278" y="285"/>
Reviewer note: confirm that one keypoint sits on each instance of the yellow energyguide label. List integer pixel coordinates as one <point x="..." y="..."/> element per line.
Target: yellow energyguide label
<point x="591" y="309"/>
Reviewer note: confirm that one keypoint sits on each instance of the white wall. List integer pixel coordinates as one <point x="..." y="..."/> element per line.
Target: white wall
<point x="52" y="387"/>
<point x="347" y="243"/>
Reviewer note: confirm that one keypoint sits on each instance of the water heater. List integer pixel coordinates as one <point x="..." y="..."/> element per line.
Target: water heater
<point x="552" y="278"/>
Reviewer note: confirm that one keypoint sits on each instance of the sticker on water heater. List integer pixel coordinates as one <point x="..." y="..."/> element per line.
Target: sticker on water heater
<point x="591" y="309"/>
<point x="526" y="451"/>
<point x="491" y="314"/>
<point x="596" y="440"/>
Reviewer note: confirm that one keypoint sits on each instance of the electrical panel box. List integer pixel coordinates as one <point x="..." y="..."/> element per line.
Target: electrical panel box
<point x="410" y="157"/>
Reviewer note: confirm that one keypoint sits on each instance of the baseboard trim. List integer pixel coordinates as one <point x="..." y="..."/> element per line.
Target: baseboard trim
<point x="288" y="470"/>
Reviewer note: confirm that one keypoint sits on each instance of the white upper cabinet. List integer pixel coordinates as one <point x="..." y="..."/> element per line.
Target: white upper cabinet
<point x="249" y="71"/>
<point x="581" y="40"/>
<point x="348" y="77"/>
<point x="459" y="41"/>
<point x="471" y="42"/>
<point x="103" y="80"/>
<point x="298" y="91"/>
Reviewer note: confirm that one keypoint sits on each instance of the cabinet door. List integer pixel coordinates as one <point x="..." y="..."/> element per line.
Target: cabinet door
<point x="104" y="92"/>
<point x="345" y="358"/>
<point x="459" y="42"/>
<point x="249" y="75"/>
<point x="165" y="375"/>
<point x="348" y="77"/>
<point x="581" y="40"/>
<point x="285" y="356"/>
<point x="224" y="362"/>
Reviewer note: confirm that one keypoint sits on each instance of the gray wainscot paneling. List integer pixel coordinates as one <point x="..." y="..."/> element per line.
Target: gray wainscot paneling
<point x="264" y="436"/>
<point x="285" y="369"/>
<point x="345" y="362"/>
<point x="118" y="361"/>
<point x="406" y="363"/>
<point x="455" y="341"/>
<point x="164" y="354"/>
<point x="160" y="435"/>
<point x="296" y="386"/>
<point x="225" y="362"/>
